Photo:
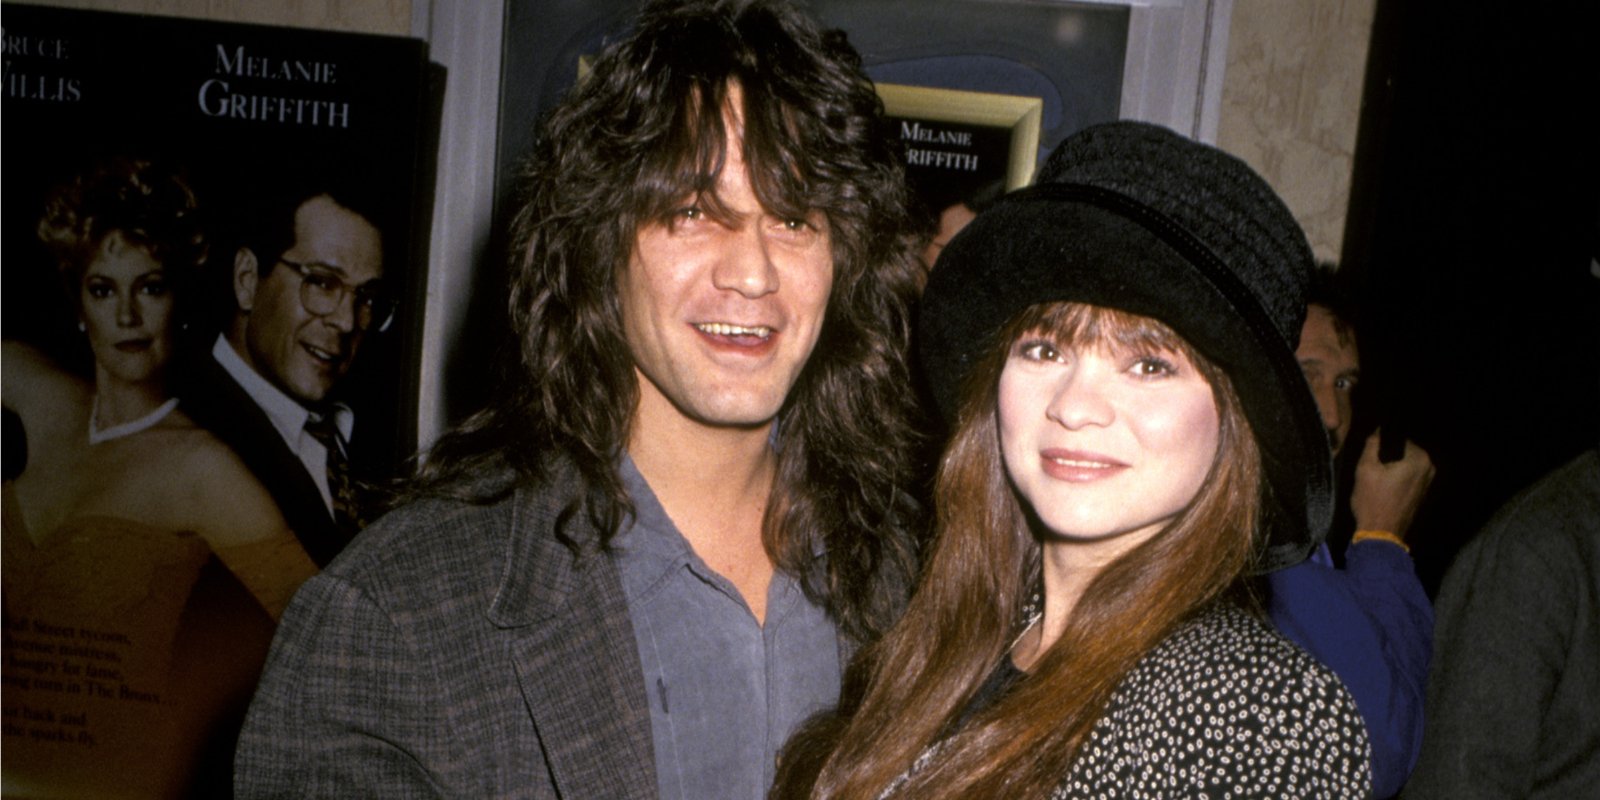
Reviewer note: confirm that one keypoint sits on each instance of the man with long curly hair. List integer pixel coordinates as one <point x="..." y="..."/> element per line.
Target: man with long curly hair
<point x="640" y="567"/>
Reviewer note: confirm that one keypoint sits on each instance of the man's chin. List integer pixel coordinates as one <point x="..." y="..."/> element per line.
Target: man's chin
<point x="733" y="416"/>
<point x="310" y="390"/>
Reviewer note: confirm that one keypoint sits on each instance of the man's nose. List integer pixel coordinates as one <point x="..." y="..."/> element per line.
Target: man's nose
<point x="746" y="264"/>
<point x="343" y="315"/>
<point x="1327" y="404"/>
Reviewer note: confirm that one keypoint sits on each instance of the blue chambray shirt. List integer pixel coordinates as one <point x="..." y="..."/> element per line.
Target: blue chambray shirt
<point x="725" y="692"/>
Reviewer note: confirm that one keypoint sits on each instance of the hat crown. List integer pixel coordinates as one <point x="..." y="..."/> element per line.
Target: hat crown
<point x="1214" y="196"/>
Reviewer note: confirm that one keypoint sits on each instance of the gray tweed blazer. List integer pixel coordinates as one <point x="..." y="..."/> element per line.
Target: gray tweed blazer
<point x="455" y="650"/>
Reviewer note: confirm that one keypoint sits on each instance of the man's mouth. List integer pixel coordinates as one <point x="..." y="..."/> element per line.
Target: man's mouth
<point x="761" y="332"/>
<point x="325" y="356"/>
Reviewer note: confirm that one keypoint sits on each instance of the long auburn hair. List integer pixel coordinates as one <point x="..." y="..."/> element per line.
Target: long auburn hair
<point x="150" y="203"/>
<point x="906" y="692"/>
<point x="641" y="132"/>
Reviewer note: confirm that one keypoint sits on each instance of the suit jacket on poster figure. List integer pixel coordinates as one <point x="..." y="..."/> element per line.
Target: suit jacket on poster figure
<point x="306" y="288"/>
<point x="219" y="404"/>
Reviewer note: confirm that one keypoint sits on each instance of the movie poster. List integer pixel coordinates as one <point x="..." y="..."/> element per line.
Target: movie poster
<point x="151" y="540"/>
<point x="963" y="150"/>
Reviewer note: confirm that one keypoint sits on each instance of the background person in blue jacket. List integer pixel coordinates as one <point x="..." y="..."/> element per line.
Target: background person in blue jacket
<point x="1370" y="621"/>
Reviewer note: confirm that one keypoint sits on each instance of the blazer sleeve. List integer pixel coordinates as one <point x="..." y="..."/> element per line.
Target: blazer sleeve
<point x="344" y="707"/>
<point x="1513" y="704"/>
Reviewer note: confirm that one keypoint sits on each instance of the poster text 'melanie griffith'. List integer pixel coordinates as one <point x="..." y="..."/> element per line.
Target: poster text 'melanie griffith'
<point x="218" y="99"/>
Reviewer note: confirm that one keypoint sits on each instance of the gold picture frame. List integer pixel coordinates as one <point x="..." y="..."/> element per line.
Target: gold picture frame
<point x="1020" y="116"/>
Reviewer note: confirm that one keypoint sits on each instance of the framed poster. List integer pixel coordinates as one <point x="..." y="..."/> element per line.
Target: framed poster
<point x="963" y="147"/>
<point x="147" y="550"/>
<point x="962" y="151"/>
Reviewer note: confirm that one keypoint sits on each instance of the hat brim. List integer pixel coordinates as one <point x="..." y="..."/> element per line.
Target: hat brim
<point x="1062" y="242"/>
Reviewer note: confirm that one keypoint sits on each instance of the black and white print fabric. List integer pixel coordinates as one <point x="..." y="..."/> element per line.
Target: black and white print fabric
<point x="1225" y="707"/>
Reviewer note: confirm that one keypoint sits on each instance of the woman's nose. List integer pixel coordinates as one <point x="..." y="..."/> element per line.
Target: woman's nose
<point x="1079" y="400"/>
<point x="127" y="311"/>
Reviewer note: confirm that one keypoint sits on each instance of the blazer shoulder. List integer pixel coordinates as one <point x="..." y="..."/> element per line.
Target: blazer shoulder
<point x="419" y="539"/>
<point x="433" y="549"/>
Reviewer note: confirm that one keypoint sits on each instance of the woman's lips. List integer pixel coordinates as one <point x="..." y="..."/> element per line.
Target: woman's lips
<point x="1078" y="466"/>
<point x="134" y="345"/>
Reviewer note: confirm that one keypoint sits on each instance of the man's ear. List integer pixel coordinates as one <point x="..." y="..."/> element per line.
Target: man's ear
<point x="245" y="277"/>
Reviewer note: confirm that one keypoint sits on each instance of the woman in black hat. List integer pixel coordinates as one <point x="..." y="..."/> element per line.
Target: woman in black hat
<point x="1132" y="441"/>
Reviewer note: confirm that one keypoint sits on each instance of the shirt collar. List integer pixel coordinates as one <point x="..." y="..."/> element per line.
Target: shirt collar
<point x="648" y="546"/>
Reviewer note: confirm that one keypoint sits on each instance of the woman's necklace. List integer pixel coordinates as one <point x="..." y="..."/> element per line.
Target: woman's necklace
<point x="1026" y="629"/>
<point x="150" y="420"/>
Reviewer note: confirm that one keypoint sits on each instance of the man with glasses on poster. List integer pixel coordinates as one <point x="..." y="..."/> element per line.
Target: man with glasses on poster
<point x="307" y="284"/>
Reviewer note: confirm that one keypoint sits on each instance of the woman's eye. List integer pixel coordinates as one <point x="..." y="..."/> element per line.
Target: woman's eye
<point x="1153" y="367"/>
<point x="154" y="288"/>
<point x="1039" y="351"/>
<point x="99" y="290"/>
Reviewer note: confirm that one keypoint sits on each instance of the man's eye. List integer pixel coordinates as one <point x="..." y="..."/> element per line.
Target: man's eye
<point x="327" y="283"/>
<point x="687" y="216"/>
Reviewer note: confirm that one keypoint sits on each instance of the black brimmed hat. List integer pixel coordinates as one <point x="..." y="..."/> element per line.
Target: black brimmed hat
<point x="1132" y="216"/>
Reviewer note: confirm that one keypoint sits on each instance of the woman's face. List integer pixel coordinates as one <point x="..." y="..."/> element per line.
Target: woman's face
<point x="1106" y="446"/>
<point x="127" y="311"/>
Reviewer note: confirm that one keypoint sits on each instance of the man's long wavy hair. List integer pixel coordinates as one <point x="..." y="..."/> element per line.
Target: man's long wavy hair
<point x="907" y="691"/>
<point x="641" y="132"/>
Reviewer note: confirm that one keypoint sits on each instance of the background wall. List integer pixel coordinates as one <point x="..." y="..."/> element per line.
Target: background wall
<point x="1291" y="103"/>
<point x="391" y="17"/>
<point x="1291" y="94"/>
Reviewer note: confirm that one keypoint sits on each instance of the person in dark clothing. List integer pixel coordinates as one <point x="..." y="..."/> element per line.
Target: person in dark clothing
<point x="635" y="572"/>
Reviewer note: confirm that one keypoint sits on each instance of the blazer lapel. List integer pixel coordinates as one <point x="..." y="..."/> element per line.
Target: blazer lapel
<point x="574" y="652"/>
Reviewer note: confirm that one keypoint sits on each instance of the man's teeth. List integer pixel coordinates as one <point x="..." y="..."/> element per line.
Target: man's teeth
<point x="320" y="353"/>
<point x="724" y="329"/>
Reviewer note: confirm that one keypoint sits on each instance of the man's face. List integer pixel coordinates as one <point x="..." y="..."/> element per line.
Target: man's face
<point x="302" y="353"/>
<point x="1332" y="365"/>
<point x="951" y="221"/>
<point x="721" y="315"/>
